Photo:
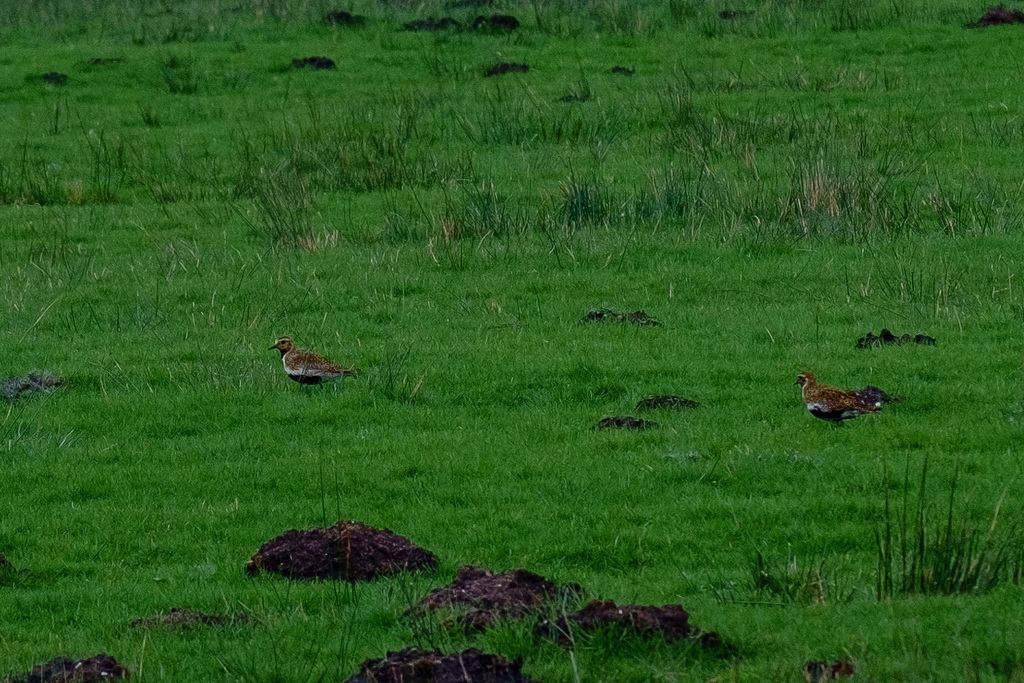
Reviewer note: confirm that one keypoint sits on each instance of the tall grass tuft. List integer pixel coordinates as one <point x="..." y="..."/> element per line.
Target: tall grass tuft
<point x="476" y="211"/>
<point x="284" y="205"/>
<point x="586" y="203"/>
<point x="790" y="582"/>
<point x="180" y="75"/>
<point x="917" y="555"/>
<point x="29" y="178"/>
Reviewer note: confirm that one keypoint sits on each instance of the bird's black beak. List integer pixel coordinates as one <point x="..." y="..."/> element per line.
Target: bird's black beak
<point x="272" y="347"/>
<point x="796" y="382"/>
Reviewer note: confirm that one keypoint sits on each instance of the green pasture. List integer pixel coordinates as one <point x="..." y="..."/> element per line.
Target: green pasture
<point x="770" y="184"/>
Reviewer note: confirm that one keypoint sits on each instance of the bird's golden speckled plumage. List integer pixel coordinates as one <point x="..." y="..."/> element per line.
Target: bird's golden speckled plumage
<point x="306" y="367"/>
<point x="829" y="403"/>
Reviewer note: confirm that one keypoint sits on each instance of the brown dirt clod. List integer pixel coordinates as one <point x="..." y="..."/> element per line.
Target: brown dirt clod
<point x="483" y="597"/>
<point x="102" y="667"/>
<point x="637" y="317"/>
<point x="351" y="551"/>
<point x="994" y="16"/>
<point x="413" y="665"/>
<point x="186" y="618"/>
<point x="887" y="338"/>
<point x="666" y="402"/>
<point x="821" y="672"/>
<point x="507" y="68"/>
<point x="626" y="422"/>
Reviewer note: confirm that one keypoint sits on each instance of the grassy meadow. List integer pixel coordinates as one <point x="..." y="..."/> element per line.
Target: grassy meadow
<point x="771" y="182"/>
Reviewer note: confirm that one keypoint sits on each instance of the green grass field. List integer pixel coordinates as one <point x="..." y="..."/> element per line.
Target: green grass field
<point x="769" y="186"/>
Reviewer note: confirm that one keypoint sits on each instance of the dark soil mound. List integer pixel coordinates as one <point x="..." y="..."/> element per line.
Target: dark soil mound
<point x="413" y="665"/>
<point x="186" y="618"/>
<point x="625" y="422"/>
<point x="821" y="672"/>
<point x="623" y="71"/>
<point x="887" y="338"/>
<point x="105" y="61"/>
<point x="496" y="23"/>
<point x="432" y="24"/>
<point x="671" y="621"/>
<point x="347" y="550"/>
<point x="55" y="78"/>
<point x="314" y="63"/>
<point x="32" y="383"/>
<point x="340" y="18"/>
<point x="999" y="15"/>
<point x="102" y="667"/>
<point x="666" y="403"/>
<point x="482" y="597"/>
<point x="604" y="314"/>
<point x="507" y="68"/>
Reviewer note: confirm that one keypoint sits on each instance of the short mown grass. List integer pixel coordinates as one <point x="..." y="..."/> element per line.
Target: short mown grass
<point x="769" y="187"/>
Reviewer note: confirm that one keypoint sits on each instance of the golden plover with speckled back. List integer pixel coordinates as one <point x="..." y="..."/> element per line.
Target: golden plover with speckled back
<point x="306" y="367"/>
<point x="833" y="404"/>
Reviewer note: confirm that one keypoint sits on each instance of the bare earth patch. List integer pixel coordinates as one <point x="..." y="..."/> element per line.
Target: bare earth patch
<point x="186" y="618"/>
<point x="342" y="18"/>
<point x="821" y="672"/>
<point x="496" y="23"/>
<point x="33" y="383"/>
<point x="55" y="78"/>
<point x="432" y="24"/>
<point x="626" y="422"/>
<point x="413" y="665"/>
<point x="507" y="68"/>
<point x="606" y="315"/>
<point x="887" y="338"/>
<point x="102" y="667"/>
<point x="666" y="402"/>
<point x="317" y="63"/>
<point x="482" y="598"/>
<point x="351" y="551"/>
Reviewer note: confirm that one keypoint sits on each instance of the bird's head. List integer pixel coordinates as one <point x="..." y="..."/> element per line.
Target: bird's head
<point x="805" y="378"/>
<point x="283" y="344"/>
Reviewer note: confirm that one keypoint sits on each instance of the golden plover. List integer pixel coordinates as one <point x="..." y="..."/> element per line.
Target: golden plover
<point x="306" y="367"/>
<point x="833" y="404"/>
